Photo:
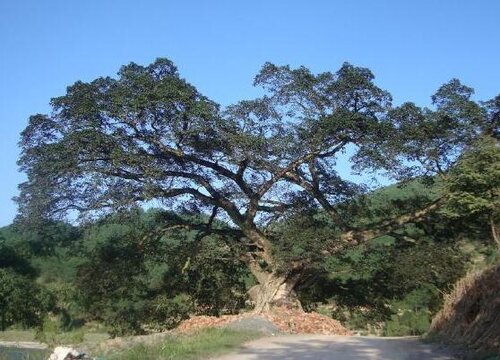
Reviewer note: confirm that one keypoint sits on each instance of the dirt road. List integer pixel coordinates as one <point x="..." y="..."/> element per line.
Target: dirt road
<point x="323" y="347"/>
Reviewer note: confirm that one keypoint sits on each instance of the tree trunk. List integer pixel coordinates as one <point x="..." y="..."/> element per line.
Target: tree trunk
<point x="274" y="288"/>
<point x="276" y="291"/>
<point x="495" y="232"/>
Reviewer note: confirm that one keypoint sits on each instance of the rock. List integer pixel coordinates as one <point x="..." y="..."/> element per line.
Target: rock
<point x="67" y="353"/>
<point x="256" y="323"/>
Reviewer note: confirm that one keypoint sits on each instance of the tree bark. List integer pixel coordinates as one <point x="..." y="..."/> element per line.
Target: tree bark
<point x="276" y="291"/>
<point x="274" y="288"/>
<point x="495" y="233"/>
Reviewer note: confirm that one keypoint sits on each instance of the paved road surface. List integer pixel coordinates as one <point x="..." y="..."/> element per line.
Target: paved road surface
<point x="323" y="347"/>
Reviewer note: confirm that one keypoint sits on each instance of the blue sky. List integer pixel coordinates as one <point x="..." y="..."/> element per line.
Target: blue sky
<point x="411" y="46"/>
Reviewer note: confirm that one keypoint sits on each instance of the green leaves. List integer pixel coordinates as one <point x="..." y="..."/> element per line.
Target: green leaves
<point x="22" y="300"/>
<point x="472" y="189"/>
<point x="429" y="141"/>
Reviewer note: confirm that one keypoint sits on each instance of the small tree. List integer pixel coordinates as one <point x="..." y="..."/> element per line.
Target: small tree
<point x="149" y="135"/>
<point x="22" y="300"/>
<point x="473" y="186"/>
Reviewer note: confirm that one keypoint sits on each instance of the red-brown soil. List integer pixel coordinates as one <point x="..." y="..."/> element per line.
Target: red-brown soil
<point x="286" y="320"/>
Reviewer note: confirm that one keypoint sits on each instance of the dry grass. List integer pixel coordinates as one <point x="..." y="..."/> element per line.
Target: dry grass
<point x="471" y="312"/>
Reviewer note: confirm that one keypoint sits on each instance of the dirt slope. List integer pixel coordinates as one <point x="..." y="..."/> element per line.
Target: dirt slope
<point x="471" y="313"/>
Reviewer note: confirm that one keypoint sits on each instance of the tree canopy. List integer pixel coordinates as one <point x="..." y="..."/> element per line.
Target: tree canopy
<point x="148" y="135"/>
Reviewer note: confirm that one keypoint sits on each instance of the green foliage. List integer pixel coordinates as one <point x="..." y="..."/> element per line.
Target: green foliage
<point x="416" y="266"/>
<point x="166" y="313"/>
<point x="109" y="281"/>
<point x="215" y="278"/>
<point x="54" y="333"/>
<point x="408" y="323"/>
<point x="48" y="331"/>
<point x="427" y="141"/>
<point x="11" y="259"/>
<point x="365" y="318"/>
<point x="22" y="301"/>
<point x="390" y="202"/>
<point x="473" y="186"/>
<point x="472" y="189"/>
<point x="41" y="240"/>
<point x="412" y="315"/>
<point x="137" y="276"/>
<point x="366" y="291"/>
<point x="51" y="255"/>
<point x="302" y="236"/>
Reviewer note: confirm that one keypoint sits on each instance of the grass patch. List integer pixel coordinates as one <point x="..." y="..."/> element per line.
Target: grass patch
<point x="14" y="353"/>
<point x="17" y="335"/>
<point x="199" y="345"/>
<point x="54" y="338"/>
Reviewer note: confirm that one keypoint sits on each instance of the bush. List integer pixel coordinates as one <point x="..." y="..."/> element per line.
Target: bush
<point x="22" y="301"/>
<point x="124" y="318"/>
<point x="109" y="282"/>
<point x="166" y="313"/>
<point x="361" y="318"/>
<point x="52" y="333"/>
<point x="408" y="323"/>
<point x="412" y="315"/>
<point x="48" y="331"/>
<point x="215" y="278"/>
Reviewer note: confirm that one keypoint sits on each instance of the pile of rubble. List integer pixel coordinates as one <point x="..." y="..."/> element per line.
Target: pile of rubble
<point x="299" y="322"/>
<point x="287" y="321"/>
<point x="202" y="321"/>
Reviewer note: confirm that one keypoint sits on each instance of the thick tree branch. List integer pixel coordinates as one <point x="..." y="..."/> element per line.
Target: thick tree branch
<point x="388" y="226"/>
<point x="319" y="196"/>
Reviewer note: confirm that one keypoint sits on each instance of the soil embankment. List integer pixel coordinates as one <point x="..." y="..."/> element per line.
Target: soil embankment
<point x="471" y="313"/>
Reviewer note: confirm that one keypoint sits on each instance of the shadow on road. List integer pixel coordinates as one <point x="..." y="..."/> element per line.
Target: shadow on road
<point x="339" y="348"/>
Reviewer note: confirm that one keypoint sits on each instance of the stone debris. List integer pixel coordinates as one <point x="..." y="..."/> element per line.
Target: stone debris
<point x="287" y="321"/>
<point x="256" y="323"/>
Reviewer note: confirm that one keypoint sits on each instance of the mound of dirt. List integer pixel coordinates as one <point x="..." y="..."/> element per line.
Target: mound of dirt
<point x="471" y="313"/>
<point x="286" y="321"/>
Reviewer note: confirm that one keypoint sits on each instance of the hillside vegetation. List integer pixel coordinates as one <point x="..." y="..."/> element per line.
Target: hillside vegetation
<point x="126" y="273"/>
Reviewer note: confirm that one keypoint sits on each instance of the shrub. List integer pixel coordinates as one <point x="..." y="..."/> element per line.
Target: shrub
<point x="412" y="315"/>
<point x="408" y="323"/>
<point x="22" y="301"/>
<point x="166" y="313"/>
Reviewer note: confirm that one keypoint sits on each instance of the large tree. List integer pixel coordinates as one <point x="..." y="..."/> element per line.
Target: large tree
<point x="148" y="135"/>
